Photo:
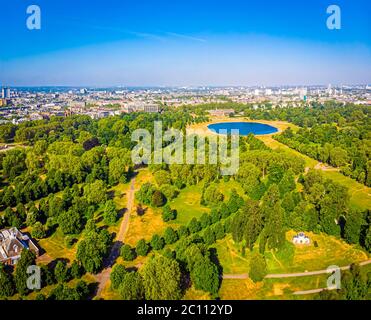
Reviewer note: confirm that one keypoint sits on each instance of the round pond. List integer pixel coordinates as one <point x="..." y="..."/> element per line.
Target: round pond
<point x="245" y="128"/>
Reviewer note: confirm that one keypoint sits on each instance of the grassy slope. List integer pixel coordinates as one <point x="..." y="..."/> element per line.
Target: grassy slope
<point x="330" y="251"/>
<point x="360" y="195"/>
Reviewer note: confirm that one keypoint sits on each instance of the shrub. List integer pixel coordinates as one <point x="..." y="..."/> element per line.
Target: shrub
<point x="127" y="253"/>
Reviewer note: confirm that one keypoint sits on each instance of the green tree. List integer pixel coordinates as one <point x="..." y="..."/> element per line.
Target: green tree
<point x="110" y="213"/>
<point x="194" y="226"/>
<point x="219" y="232"/>
<point x="258" y="267"/>
<point x="254" y="223"/>
<point x="61" y="271"/>
<point x="38" y="231"/>
<point x="205" y="220"/>
<point x="273" y="216"/>
<point x="205" y="276"/>
<point x="162" y="177"/>
<point x="144" y="195"/>
<point x="235" y="202"/>
<point x="183" y="232"/>
<point x="76" y="270"/>
<point x="170" y="191"/>
<point x="168" y="214"/>
<point x="127" y="253"/>
<point x="20" y="276"/>
<point x="209" y="236"/>
<point x="92" y="250"/>
<point x="95" y="193"/>
<point x="117" y="276"/>
<point x="355" y="285"/>
<point x="212" y="196"/>
<point x="158" y="199"/>
<point x="142" y="248"/>
<point x="157" y="242"/>
<point x="161" y="278"/>
<point x="132" y="287"/>
<point x="117" y="170"/>
<point x="70" y="222"/>
<point x="287" y="183"/>
<point x="353" y="225"/>
<point x="333" y="205"/>
<point x="7" y="288"/>
<point x="170" y="235"/>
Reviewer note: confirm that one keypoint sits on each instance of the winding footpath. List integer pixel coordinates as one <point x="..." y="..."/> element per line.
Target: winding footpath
<point x="103" y="277"/>
<point x="290" y="275"/>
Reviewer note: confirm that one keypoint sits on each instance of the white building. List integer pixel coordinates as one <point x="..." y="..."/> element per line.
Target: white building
<point x="301" y="238"/>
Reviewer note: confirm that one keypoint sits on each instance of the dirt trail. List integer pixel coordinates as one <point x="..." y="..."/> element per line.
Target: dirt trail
<point x="289" y="275"/>
<point x="103" y="277"/>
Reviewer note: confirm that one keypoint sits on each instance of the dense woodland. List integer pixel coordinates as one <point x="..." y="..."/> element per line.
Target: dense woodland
<point x="59" y="179"/>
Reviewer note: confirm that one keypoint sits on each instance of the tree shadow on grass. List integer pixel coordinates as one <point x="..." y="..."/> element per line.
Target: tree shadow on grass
<point x="215" y="259"/>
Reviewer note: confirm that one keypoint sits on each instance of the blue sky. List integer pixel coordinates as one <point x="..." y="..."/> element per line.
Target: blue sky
<point x="181" y="43"/>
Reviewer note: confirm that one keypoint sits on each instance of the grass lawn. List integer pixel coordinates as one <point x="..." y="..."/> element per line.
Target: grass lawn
<point x="143" y="176"/>
<point x="188" y="204"/>
<point x="237" y="289"/>
<point x="188" y="201"/>
<point x="193" y="294"/>
<point x="109" y="294"/>
<point x="275" y="145"/>
<point x="55" y="247"/>
<point x="330" y="251"/>
<point x="145" y="226"/>
<point x="230" y="257"/>
<point x="274" y="289"/>
<point x="270" y="289"/>
<point x="88" y="278"/>
<point x="227" y="187"/>
<point x="360" y="195"/>
<point x="120" y="192"/>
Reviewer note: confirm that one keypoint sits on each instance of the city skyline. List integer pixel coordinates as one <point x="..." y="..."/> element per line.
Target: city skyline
<point x="207" y="44"/>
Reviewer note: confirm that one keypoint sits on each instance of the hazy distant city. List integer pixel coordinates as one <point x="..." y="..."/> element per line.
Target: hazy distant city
<point x="37" y="103"/>
<point x="185" y="150"/>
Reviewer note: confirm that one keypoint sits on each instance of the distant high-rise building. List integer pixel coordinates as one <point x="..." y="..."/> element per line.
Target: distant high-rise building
<point x="5" y="93"/>
<point x="303" y="92"/>
<point x="329" y="90"/>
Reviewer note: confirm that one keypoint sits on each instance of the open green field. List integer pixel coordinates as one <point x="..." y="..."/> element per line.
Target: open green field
<point x="274" y="144"/>
<point x="330" y="251"/>
<point x="271" y="289"/>
<point x="188" y="204"/>
<point x="145" y="226"/>
<point x="227" y="187"/>
<point x="360" y="195"/>
<point x="188" y="201"/>
<point x="274" y="289"/>
<point x="55" y="247"/>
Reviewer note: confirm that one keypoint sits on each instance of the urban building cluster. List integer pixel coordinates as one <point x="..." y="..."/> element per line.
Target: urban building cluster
<point x="23" y="104"/>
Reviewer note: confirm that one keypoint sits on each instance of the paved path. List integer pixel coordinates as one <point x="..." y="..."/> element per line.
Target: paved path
<point x="103" y="277"/>
<point x="289" y="275"/>
<point x="310" y="291"/>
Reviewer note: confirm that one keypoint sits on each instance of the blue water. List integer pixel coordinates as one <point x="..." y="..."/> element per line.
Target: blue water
<point x="245" y="128"/>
